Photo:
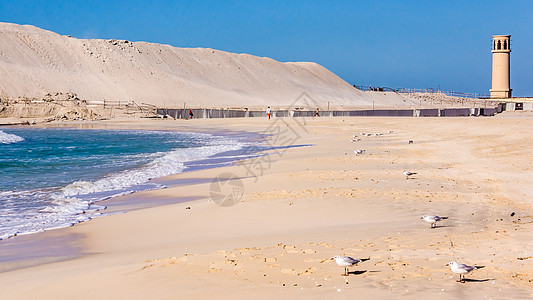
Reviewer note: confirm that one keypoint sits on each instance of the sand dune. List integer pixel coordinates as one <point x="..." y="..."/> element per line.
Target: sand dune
<point x="34" y="62"/>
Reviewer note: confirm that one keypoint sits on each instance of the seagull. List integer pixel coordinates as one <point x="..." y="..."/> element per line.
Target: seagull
<point x="358" y="152"/>
<point x="355" y="140"/>
<point x="346" y="261"/>
<point x="460" y="269"/>
<point x="433" y="220"/>
<point x="407" y="174"/>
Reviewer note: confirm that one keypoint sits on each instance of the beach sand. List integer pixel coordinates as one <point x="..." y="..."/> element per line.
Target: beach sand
<point x="304" y="204"/>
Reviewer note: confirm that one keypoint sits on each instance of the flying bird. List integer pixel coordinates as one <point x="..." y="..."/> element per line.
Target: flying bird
<point x="433" y="220"/>
<point x="346" y="261"/>
<point x="461" y="269"/>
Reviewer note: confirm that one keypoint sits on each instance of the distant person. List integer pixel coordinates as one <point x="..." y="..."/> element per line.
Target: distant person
<point x="317" y="114"/>
<point x="190" y="114"/>
<point x="269" y="112"/>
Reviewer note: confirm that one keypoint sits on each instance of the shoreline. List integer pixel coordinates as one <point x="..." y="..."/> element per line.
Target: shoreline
<point x="312" y="203"/>
<point x="15" y="253"/>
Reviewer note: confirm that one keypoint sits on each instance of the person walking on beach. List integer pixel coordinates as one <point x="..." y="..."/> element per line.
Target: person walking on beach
<point x="190" y="114"/>
<point x="269" y="112"/>
<point x="317" y="114"/>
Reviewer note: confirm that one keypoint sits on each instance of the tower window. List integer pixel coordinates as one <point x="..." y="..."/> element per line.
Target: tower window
<point x="499" y="45"/>
<point x="504" y="45"/>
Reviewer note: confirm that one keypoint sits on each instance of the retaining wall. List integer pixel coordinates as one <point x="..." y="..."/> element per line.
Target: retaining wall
<point x="432" y="112"/>
<point x="488" y="111"/>
<point x="455" y="112"/>
<point x="428" y="112"/>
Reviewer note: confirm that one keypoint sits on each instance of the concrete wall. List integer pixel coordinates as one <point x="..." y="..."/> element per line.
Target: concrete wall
<point x="455" y="112"/>
<point x="433" y="112"/>
<point x="427" y="112"/>
<point x="488" y="111"/>
<point x="374" y="113"/>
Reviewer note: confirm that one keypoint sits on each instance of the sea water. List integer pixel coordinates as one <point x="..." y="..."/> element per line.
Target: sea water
<point x="54" y="177"/>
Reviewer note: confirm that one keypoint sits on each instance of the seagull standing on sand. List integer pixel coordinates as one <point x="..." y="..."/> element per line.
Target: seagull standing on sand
<point x="461" y="269"/>
<point x="433" y="220"/>
<point x="346" y="261"/>
<point x="407" y="174"/>
<point x="358" y="152"/>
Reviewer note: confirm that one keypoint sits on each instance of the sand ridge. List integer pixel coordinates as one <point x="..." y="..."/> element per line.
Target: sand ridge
<point x="34" y="62"/>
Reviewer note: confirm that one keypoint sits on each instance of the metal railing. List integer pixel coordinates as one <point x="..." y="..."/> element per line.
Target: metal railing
<point x="427" y="90"/>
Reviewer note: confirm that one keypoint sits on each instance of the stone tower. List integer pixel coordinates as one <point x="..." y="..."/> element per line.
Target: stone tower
<point x="501" y="56"/>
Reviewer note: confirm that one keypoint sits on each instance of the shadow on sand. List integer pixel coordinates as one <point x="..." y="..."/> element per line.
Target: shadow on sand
<point x="477" y="280"/>
<point x="357" y="272"/>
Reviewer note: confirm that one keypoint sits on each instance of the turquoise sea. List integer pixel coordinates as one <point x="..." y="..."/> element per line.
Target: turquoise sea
<point x="54" y="177"/>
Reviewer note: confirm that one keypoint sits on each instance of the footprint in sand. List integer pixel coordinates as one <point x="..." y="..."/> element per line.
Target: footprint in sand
<point x="231" y="261"/>
<point x="273" y="266"/>
<point x="214" y="270"/>
<point x="270" y="259"/>
<point x="288" y="271"/>
<point x="308" y="271"/>
<point x="326" y="245"/>
<point x="311" y="260"/>
<point x="290" y="249"/>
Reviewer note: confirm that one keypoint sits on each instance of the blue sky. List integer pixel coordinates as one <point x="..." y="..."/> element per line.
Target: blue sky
<point x="411" y="44"/>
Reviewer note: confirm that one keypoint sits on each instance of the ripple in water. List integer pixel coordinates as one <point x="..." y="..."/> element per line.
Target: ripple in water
<point x="54" y="177"/>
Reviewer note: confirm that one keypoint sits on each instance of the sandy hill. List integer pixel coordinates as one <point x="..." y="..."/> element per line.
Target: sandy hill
<point x="34" y="62"/>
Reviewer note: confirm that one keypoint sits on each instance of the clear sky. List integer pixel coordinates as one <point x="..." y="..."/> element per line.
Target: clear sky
<point x="403" y="43"/>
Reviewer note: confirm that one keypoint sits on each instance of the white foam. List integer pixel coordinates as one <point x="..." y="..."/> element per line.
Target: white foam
<point x="7" y="138"/>
<point x="75" y="203"/>
<point x="169" y="164"/>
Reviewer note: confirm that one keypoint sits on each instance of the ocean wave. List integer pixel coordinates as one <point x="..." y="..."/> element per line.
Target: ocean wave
<point x="169" y="164"/>
<point x="74" y="203"/>
<point x="8" y="138"/>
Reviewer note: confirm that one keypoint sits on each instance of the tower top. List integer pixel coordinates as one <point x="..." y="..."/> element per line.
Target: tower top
<point x="501" y="43"/>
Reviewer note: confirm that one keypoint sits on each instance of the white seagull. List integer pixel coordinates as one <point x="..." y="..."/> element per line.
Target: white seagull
<point x="433" y="220"/>
<point x="358" y="152"/>
<point x="346" y="261"/>
<point x="461" y="269"/>
<point x="407" y="174"/>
